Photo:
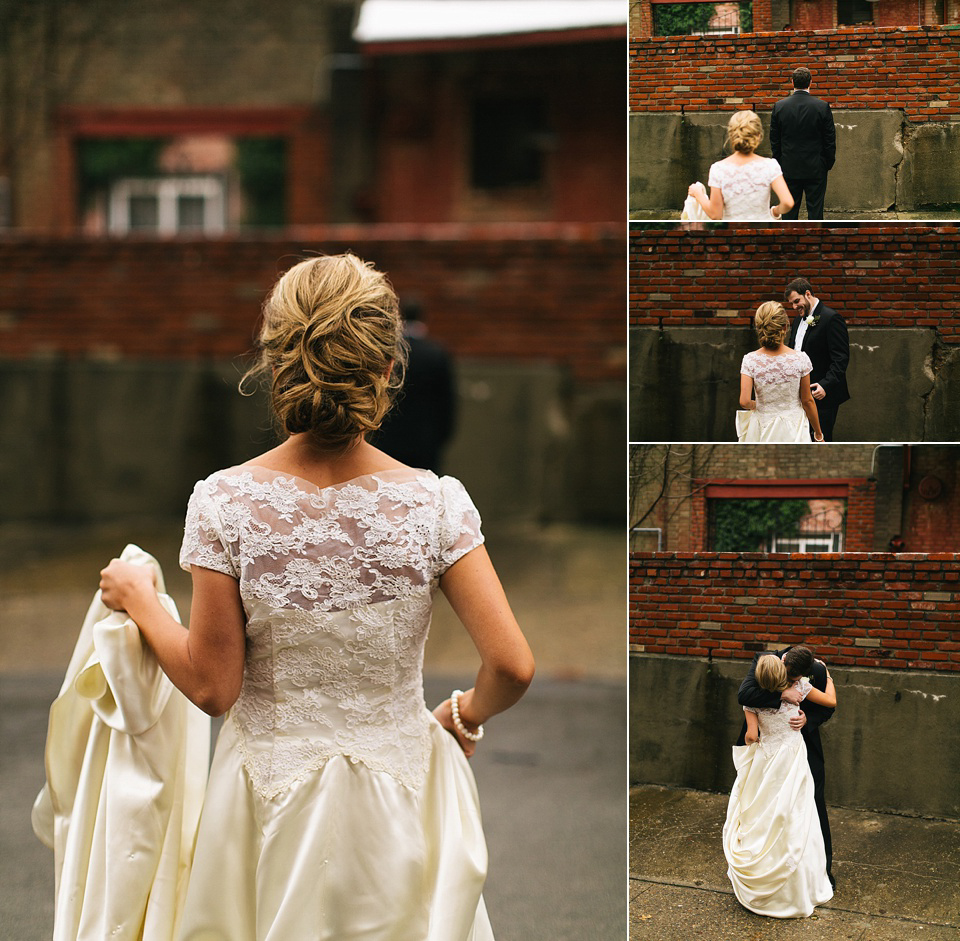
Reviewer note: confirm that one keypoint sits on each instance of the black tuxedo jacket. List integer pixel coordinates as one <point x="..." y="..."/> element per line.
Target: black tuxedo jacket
<point x="803" y="136"/>
<point x="828" y="346"/>
<point x="752" y="694"/>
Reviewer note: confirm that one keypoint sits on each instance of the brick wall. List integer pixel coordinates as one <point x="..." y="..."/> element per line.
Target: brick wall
<point x="854" y="609"/>
<point x="909" y="68"/>
<point x="879" y="276"/>
<point x="530" y="292"/>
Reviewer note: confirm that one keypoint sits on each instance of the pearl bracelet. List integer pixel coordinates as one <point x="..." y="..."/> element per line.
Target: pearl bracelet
<point x="458" y="722"/>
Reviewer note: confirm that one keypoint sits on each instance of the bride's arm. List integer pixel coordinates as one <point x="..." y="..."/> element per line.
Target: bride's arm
<point x="473" y="589"/>
<point x="746" y="392"/>
<point x="826" y="698"/>
<point x="753" y="727"/>
<point x="810" y="407"/>
<point x="204" y="663"/>
<point x="782" y="192"/>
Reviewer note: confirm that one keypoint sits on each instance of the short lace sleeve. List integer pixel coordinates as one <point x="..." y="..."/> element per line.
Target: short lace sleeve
<point x="746" y="366"/>
<point x="751" y="709"/>
<point x="203" y="541"/>
<point x="804" y="685"/>
<point x="459" y="524"/>
<point x="773" y="169"/>
<point x="806" y="366"/>
<point x="716" y="175"/>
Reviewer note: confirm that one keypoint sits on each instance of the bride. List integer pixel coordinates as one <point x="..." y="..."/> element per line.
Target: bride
<point x="784" y="409"/>
<point x="772" y="838"/>
<point x="338" y="805"/>
<point x="740" y="184"/>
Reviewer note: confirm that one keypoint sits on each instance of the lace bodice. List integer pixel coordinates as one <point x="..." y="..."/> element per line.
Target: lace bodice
<point x="775" y="723"/>
<point x="336" y="584"/>
<point x="746" y="188"/>
<point x="776" y="379"/>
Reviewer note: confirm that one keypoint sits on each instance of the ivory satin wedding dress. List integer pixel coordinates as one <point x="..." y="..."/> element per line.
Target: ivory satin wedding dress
<point x="772" y="838"/>
<point x="779" y="416"/>
<point x="337" y="807"/>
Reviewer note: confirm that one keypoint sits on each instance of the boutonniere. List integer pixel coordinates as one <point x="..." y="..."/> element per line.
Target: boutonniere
<point x="812" y="320"/>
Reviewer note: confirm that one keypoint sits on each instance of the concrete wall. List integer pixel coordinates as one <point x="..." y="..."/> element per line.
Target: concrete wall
<point x="685" y="384"/>
<point x="883" y="161"/>
<point x="893" y="744"/>
<point x="119" y="439"/>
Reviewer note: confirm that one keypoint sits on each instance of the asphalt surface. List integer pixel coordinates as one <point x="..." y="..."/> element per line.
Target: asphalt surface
<point x="551" y="772"/>
<point x="898" y="878"/>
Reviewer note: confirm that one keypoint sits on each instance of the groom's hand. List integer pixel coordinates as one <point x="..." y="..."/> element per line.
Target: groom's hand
<point x="818" y="390"/>
<point x="798" y="722"/>
<point x="792" y="695"/>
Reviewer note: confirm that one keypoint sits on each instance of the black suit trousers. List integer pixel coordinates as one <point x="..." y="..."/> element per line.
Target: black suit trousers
<point x="817" y="772"/>
<point x="815" y="190"/>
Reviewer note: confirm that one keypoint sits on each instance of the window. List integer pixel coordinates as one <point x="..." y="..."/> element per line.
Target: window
<point x="509" y="140"/>
<point x="808" y="542"/>
<point x="188" y="183"/>
<point x="167" y="205"/>
<point x="701" y="19"/>
<point x="854" y="12"/>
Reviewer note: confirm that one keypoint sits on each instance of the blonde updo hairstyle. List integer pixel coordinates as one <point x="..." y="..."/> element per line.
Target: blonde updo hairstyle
<point x="771" y="323"/>
<point x="744" y="132"/>
<point x="331" y="347"/>
<point x="771" y="673"/>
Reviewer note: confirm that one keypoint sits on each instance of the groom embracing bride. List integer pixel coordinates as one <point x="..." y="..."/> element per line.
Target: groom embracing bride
<point x="776" y="837"/>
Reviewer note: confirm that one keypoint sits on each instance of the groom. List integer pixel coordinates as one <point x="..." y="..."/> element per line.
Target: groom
<point x="799" y="662"/>
<point x="803" y="138"/>
<point x="822" y="334"/>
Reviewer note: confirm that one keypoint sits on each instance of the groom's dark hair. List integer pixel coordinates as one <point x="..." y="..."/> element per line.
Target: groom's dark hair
<point x="801" y="77"/>
<point x="800" y="285"/>
<point x="798" y="661"/>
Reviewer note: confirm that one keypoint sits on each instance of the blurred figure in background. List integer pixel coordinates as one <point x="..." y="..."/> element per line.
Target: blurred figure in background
<point x="422" y="422"/>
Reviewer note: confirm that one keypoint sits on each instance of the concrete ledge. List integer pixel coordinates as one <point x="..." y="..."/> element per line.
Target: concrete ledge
<point x="882" y="160"/>
<point x="104" y="440"/>
<point x="893" y="744"/>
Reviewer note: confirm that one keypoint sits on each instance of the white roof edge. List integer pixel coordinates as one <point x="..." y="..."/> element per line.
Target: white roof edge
<point x="410" y="20"/>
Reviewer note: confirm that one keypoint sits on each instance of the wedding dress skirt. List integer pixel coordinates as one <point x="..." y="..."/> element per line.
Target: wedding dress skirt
<point x="348" y="854"/>
<point x="788" y="427"/>
<point x="772" y="838"/>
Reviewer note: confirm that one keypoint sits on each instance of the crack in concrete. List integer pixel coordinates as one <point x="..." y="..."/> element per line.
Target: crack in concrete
<point x="933" y="696"/>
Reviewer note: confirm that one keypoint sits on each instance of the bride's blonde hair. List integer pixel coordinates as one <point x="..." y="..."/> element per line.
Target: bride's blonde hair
<point x="771" y="323"/>
<point x="332" y="349"/>
<point x="745" y="131"/>
<point x="771" y="674"/>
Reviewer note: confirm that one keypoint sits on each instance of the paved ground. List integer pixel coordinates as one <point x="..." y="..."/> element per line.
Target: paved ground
<point x="551" y="772"/>
<point x="898" y="878"/>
